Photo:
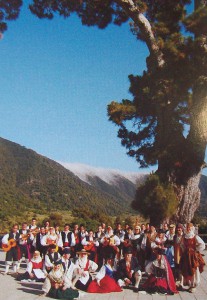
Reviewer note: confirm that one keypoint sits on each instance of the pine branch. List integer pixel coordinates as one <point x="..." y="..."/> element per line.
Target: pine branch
<point x="133" y="11"/>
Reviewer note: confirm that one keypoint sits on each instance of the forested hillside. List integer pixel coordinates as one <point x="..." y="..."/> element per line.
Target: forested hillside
<point x="29" y="181"/>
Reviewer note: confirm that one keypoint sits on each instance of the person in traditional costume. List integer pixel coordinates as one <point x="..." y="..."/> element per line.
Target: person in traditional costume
<point x="10" y="245"/>
<point x="147" y="227"/>
<point x="33" y="226"/>
<point x="90" y="244"/>
<point x="77" y="236"/>
<point x="104" y="281"/>
<point x="84" y="268"/>
<point x="143" y="228"/>
<point x="178" y="241"/>
<point x="34" y="270"/>
<point x="161" y="279"/>
<point x="34" y="229"/>
<point x="119" y="231"/>
<point x="57" y="285"/>
<point x="68" y="266"/>
<point x="67" y="238"/>
<point x="57" y="229"/>
<point x="169" y="246"/>
<point x="165" y="228"/>
<point x="147" y="241"/>
<point x="128" y="270"/>
<point x="47" y="226"/>
<point x="127" y="242"/>
<point x="25" y="240"/>
<point x="103" y="225"/>
<point x="99" y="234"/>
<point x="51" y="238"/>
<point x="136" y="245"/>
<point x="110" y="241"/>
<point x="51" y="257"/>
<point x="83" y="231"/>
<point x="160" y="240"/>
<point x="37" y="242"/>
<point x="191" y="263"/>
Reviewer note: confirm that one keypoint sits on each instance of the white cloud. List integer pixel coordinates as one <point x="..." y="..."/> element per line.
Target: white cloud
<point x="107" y="175"/>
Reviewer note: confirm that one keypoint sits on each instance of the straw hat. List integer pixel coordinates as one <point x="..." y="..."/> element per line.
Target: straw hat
<point x="83" y="251"/>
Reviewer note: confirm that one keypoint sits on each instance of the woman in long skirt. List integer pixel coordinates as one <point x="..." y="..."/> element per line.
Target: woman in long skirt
<point x="56" y="285"/>
<point x="161" y="279"/>
<point x="104" y="281"/>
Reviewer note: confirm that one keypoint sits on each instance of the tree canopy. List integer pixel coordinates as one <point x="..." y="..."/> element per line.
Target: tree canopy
<point x="9" y="10"/>
<point x="165" y="122"/>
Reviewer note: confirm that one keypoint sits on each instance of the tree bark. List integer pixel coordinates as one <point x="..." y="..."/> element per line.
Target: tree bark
<point x="188" y="198"/>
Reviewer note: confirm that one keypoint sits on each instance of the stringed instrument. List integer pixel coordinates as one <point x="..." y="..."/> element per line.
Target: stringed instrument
<point x="89" y="246"/>
<point x="52" y="242"/>
<point x="34" y="231"/>
<point x="11" y="243"/>
<point x="24" y="236"/>
<point x="109" y="241"/>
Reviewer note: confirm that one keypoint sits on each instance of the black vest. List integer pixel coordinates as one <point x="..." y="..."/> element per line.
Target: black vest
<point x="54" y="258"/>
<point x="11" y="236"/>
<point x="64" y="266"/>
<point x="69" y="236"/>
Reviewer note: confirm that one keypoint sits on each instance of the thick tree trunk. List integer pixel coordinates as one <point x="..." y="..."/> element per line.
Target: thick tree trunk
<point x="188" y="198"/>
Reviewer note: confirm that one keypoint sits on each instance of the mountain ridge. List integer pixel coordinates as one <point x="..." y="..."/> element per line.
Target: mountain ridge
<point x="27" y="177"/>
<point x="43" y="184"/>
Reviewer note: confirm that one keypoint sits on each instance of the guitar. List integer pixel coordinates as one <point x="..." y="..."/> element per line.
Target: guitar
<point x="11" y="243"/>
<point x="91" y="245"/>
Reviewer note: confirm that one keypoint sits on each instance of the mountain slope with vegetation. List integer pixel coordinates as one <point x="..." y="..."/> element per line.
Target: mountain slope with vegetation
<point x="29" y="181"/>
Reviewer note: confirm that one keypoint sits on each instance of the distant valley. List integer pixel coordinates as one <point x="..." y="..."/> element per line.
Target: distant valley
<point x="32" y="182"/>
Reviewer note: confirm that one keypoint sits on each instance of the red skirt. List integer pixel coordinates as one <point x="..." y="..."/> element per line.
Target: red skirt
<point x="153" y="282"/>
<point x="107" y="285"/>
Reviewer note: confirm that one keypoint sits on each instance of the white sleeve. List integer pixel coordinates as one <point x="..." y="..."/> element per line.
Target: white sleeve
<point x="153" y="245"/>
<point x="73" y="240"/>
<point x="34" y="242"/>
<point x="149" y="268"/>
<point x="29" y="268"/>
<point x="43" y="241"/>
<point x="46" y="285"/>
<point x="84" y="242"/>
<point x="101" y="274"/>
<point x="96" y="243"/>
<point x="92" y="266"/>
<point x="60" y="241"/>
<point x="48" y="262"/>
<point x="69" y="275"/>
<point x="102" y="240"/>
<point x="5" y="239"/>
<point x="200" y="244"/>
<point x="117" y="240"/>
<point x="143" y="244"/>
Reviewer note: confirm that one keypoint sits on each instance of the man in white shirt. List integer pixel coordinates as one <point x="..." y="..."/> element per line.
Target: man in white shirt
<point x="9" y="244"/>
<point x="84" y="268"/>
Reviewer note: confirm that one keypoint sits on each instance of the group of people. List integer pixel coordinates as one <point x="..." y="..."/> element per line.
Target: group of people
<point x="74" y="259"/>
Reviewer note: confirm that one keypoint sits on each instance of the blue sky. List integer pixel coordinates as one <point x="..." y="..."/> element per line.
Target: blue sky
<point x="57" y="78"/>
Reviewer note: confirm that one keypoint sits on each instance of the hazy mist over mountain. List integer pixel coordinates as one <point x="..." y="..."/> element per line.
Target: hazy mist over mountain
<point x="110" y="176"/>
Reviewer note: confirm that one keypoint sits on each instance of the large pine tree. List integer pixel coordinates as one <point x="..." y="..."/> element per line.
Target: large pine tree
<point x="165" y="124"/>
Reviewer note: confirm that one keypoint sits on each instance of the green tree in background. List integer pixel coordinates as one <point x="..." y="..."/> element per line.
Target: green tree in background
<point x="155" y="200"/>
<point x="165" y="124"/>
